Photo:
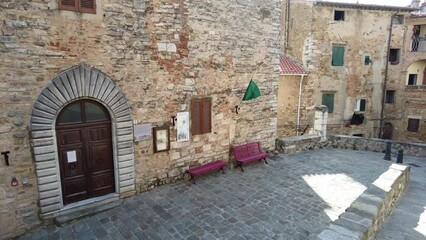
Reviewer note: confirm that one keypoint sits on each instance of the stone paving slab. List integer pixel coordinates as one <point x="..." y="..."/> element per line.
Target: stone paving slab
<point x="293" y="197"/>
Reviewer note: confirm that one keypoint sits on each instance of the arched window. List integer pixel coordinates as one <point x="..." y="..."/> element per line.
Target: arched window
<point x="81" y="112"/>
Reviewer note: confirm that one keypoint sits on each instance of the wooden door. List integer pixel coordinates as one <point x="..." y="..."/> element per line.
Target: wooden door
<point x="85" y="151"/>
<point x="387" y="131"/>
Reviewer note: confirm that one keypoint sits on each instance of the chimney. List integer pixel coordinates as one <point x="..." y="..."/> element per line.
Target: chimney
<point x="415" y="4"/>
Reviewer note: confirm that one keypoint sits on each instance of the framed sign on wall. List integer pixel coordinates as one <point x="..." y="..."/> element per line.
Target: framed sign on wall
<point x="161" y="139"/>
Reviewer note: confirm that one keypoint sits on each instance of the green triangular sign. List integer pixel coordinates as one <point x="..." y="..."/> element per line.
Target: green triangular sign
<point x="252" y="91"/>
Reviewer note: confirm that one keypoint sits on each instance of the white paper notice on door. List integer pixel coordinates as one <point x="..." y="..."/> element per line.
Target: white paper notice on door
<point x="71" y="156"/>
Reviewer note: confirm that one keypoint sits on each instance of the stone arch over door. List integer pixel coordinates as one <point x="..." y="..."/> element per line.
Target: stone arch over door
<point x="77" y="83"/>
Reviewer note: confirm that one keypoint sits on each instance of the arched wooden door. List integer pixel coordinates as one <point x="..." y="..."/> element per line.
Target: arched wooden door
<point x="83" y="131"/>
<point x="387" y="131"/>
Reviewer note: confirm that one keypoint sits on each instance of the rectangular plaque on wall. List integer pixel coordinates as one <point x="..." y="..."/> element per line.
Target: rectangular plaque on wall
<point x="143" y="132"/>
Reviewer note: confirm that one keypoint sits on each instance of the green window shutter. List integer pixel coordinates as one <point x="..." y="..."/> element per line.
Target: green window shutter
<point x="328" y="100"/>
<point x="338" y="55"/>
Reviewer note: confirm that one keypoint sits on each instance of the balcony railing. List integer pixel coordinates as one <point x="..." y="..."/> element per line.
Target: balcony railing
<point x="418" y="44"/>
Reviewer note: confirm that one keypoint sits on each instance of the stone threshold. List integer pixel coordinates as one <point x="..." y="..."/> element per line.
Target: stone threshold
<point x="88" y="207"/>
<point x="365" y="215"/>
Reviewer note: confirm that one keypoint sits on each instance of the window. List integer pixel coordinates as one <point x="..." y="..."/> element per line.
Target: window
<point x="413" y="125"/>
<point x="337" y="56"/>
<point x="394" y="55"/>
<point x="84" y="6"/>
<point x="201" y="116"/>
<point x="339" y="15"/>
<point x="412" y="79"/>
<point x="390" y="96"/>
<point x="328" y="100"/>
<point x="360" y="105"/>
<point x="398" y="19"/>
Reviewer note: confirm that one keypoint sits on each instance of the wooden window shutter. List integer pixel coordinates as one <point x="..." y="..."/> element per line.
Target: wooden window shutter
<point x="338" y="56"/>
<point x="196" y="105"/>
<point x="88" y="6"/>
<point x="328" y="100"/>
<point x="71" y="5"/>
<point x="206" y="125"/>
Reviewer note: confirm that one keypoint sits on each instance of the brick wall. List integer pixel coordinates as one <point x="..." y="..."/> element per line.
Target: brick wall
<point x="161" y="54"/>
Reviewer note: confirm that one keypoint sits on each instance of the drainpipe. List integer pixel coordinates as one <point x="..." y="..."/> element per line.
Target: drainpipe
<point x="298" y="106"/>
<point x="386" y="76"/>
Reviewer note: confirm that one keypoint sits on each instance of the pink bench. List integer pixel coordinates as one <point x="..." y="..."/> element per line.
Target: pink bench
<point x="205" y="168"/>
<point x="248" y="152"/>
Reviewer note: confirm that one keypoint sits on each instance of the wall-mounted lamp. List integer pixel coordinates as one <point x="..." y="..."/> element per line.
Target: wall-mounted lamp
<point x="173" y="120"/>
<point x="236" y="109"/>
<point x="6" y="157"/>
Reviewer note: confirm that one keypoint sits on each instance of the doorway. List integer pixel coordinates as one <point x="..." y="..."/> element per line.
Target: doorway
<point x="83" y="131"/>
<point x="387" y="131"/>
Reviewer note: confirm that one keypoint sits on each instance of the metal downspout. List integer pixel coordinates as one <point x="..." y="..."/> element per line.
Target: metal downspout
<point x="386" y="77"/>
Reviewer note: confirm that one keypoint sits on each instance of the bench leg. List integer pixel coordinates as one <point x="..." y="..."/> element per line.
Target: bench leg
<point x="240" y="164"/>
<point x="223" y="171"/>
<point x="265" y="161"/>
<point x="192" y="178"/>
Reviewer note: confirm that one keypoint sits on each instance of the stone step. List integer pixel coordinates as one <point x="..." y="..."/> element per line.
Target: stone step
<point x="365" y="215"/>
<point x="79" y="211"/>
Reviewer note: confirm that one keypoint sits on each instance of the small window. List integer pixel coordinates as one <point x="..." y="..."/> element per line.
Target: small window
<point x="398" y="19"/>
<point x="390" y="96"/>
<point x="360" y="105"/>
<point x="339" y="15"/>
<point x="201" y="116"/>
<point x="84" y="6"/>
<point x="328" y="100"/>
<point x="337" y="58"/>
<point x="394" y="55"/>
<point x="367" y="60"/>
<point x="412" y="79"/>
<point x="413" y="125"/>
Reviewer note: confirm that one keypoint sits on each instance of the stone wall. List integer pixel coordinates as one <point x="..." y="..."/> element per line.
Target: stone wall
<point x="364" y="32"/>
<point x="161" y="54"/>
<point x="303" y="143"/>
<point x="363" y="218"/>
<point x="410" y="101"/>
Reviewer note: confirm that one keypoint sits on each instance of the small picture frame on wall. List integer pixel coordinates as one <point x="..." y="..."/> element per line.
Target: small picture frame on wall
<point x="161" y="139"/>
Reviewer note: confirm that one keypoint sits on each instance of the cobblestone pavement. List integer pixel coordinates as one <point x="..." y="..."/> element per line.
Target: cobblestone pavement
<point x="408" y="219"/>
<point x="292" y="197"/>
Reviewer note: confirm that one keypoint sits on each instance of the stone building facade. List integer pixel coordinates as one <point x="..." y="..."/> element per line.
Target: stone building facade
<point x="127" y="63"/>
<point x="345" y="49"/>
<point x="405" y="108"/>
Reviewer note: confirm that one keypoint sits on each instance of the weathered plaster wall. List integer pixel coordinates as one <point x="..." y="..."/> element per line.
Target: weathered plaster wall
<point x="161" y="54"/>
<point x="288" y="97"/>
<point x="364" y="32"/>
<point x="410" y="101"/>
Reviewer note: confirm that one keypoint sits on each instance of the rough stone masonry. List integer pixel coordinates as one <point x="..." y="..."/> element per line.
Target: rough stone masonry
<point x="160" y="54"/>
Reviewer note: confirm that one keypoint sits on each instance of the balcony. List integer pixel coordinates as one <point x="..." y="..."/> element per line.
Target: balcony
<point x="418" y="44"/>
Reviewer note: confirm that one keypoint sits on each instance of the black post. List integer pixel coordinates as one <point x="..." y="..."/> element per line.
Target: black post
<point x="400" y="156"/>
<point x="388" y="151"/>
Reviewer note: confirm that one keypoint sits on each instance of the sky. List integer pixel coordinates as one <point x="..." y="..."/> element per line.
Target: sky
<point x="400" y="3"/>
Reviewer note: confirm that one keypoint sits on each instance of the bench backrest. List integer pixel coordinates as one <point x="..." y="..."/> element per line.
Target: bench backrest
<point x="253" y="148"/>
<point x="245" y="150"/>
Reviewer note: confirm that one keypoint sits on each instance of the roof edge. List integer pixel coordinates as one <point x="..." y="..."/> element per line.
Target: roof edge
<point x="365" y="6"/>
